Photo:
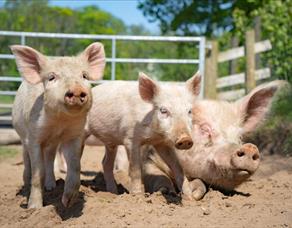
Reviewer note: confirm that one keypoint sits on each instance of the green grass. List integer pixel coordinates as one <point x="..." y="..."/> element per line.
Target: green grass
<point x="7" y="152"/>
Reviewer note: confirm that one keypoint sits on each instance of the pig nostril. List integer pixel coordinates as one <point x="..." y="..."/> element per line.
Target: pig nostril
<point x="255" y="157"/>
<point x="83" y="94"/>
<point x="180" y="144"/>
<point x="240" y="153"/>
<point x="69" y="94"/>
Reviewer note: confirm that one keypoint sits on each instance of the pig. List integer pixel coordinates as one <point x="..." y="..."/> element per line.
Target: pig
<point x="131" y="114"/>
<point x="50" y="110"/>
<point x="218" y="158"/>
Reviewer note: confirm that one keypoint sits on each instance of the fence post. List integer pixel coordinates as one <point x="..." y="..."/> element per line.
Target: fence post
<point x="113" y="69"/>
<point x="211" y="65"/>
<point x="250" y="81"/>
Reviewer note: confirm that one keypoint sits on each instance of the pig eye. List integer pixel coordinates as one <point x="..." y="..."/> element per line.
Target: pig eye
<point x="52" y="77"/>
<point x="85" y="75"/>
<point x="190" y="112"/>
<point x="164" y="110"/>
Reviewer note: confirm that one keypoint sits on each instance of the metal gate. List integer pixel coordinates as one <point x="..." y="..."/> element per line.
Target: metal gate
<point x="200" y="41"/>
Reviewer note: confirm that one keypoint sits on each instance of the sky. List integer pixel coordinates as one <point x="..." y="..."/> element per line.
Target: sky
<point x="126" y="10"/>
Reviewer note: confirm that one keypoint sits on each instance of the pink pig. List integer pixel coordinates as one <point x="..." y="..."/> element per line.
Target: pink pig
<point x="50" y="110"/>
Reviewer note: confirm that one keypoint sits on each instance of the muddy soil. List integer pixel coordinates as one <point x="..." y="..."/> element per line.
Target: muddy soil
<point x="264" y="201"/>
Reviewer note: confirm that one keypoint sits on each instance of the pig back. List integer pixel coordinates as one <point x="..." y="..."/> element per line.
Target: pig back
<point x="116" y="110"/>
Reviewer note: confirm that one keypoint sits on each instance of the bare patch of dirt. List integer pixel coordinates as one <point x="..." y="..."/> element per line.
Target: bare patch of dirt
<point x="264" y="201"/>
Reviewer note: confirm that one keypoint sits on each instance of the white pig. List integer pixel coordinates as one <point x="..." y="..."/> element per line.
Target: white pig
<point x="50" y="110"/>
<point x="218" y="158"/>
<point x="133" y="114"/>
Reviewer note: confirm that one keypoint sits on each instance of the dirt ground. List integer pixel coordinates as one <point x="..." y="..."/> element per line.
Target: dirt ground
<point x="264" y="201"/>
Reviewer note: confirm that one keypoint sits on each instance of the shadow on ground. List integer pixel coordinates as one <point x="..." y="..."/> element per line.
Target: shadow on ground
<point x="54" y="198"/>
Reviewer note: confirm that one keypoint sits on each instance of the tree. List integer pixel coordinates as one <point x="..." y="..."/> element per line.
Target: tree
<point x="38" y="16"/>
<point x="276" y="24"/>
<point x="225" y="19"/>
<point x="195" y="17"/>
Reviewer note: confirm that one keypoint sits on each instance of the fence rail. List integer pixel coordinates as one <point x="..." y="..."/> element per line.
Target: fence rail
<point x="238" y="52"/>
<point x="133" y="60"/>
<point x="248" y="78"/>
<point x="199" y="42"/>
<point x="114" y="38"/>
<point x="236" y="79"/>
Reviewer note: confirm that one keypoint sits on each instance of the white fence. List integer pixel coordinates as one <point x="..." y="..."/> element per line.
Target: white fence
<point x="23" y="36"/>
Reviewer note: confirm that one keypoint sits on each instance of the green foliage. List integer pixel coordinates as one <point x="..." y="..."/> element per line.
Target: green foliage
<point x="188" y="17"/>
<point x="225" y="19"/>
<point x="6" y="100"/>
<point x="196" y="17"/>
<point x="276" y="134"/>
<point x="276" y="24"/>
<point x="38" y="16"/>
<point x="282" y="107"/>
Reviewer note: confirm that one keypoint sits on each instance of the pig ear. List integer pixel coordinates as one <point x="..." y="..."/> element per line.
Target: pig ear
<point x="256" y="105"/>
<point x="29" y="62"/>
<point x="194" y="84"/>
<point x="148" y="88"/>
<point x="95" y="56"/>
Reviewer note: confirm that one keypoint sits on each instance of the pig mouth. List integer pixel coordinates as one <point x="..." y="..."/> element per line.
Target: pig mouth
<point x="75" y="104"/>
<point x="244" y="172"/>
<point x="76" y="108"/>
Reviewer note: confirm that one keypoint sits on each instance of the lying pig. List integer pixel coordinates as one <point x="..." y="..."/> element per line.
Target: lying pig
<point x="218" y="158"/>
<point x="50" y="110"/>
<point x="145" y="113"/>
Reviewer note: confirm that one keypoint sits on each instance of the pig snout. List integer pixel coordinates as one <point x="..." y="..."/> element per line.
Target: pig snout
<point x="184" y="142"/>
<point x="76" y="96"/>
<point x="246" y="159"/>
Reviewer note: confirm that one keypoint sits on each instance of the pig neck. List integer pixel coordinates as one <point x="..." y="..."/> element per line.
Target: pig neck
<point x="65" y="126"/>
<point x="150" y="129"/>
<point x="194" y="161"/>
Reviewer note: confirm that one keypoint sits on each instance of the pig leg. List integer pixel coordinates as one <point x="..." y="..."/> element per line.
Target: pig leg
<point x="108" y="167"/>
<point x="49" y="157"/>
<point x="199" y="188"/>
<point x="72" y="154"/>
<point x="135" y="173"/>
<point x="169" y="157"/>
<point x="37" y="171"/>
<point x="60" y="164"/>
<point x="27" y="167"/>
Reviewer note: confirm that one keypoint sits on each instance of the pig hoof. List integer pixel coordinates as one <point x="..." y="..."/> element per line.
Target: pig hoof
<point x="197" y="195"/>
<point x="69" y="199"/>
<point x="187" y="197"/>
